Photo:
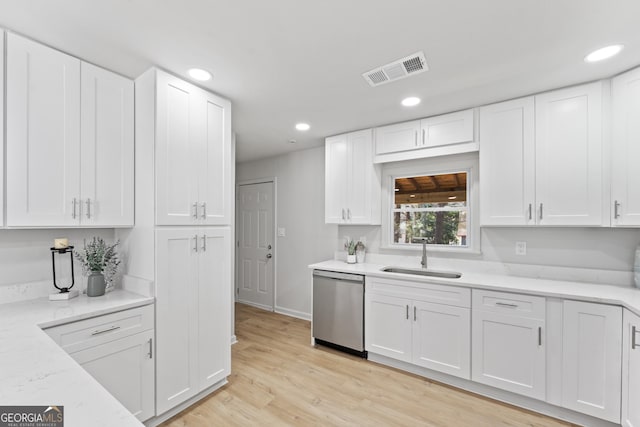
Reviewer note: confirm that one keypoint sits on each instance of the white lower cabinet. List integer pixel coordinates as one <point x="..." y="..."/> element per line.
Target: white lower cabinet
<point x="192" y="312"/>
<point x="631" y="370"/>
<point x="417" y="330"/>
<point x="591" y="359"/>
<point x="507" y="342"/>
<point x="117" y="349"/>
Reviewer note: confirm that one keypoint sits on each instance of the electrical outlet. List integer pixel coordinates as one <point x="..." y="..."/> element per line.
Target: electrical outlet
<point x="521" y="248"/>
<point x="281" y="232"/>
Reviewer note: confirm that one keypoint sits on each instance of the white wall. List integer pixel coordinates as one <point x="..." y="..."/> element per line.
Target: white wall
<point x="300" y="210"/>
<point x="25" y="261"/>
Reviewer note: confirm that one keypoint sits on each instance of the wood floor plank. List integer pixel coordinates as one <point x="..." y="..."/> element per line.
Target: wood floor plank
<point x="278" y="379"/>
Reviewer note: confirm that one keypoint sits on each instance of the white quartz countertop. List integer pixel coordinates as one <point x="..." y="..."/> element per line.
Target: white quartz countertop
<point x="35" y="371"/>
<point x="628" y="297"/>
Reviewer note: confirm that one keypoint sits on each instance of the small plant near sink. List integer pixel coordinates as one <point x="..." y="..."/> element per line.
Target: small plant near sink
<point x="350" y="247"/>
<point x="100" y="263"/>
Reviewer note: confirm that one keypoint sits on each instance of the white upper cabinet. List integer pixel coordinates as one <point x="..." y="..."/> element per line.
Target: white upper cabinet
<point x="547" y="174"/>
<point x="69" y="140"/>
<point x="2" y="128"/>
<point x="193" y="143"/>
<point x="625" y="173"/>
<point x="352" y="181"/>
<point x="106" y="184"/>
<point x="569" y="172"/>
<point x="434" y="136"/>
<point x="592" y="359"/>
<point x="43" y="135"/>
<point x="507" y="162"/>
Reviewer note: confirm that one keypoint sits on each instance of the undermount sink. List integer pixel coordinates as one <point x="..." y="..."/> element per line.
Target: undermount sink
<point x="423" y="272"/>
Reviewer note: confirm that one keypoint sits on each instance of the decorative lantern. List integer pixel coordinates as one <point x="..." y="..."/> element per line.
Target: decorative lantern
<point x="65" y="291"/>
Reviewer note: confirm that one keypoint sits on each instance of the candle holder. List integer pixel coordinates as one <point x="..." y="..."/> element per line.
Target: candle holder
<point x="66" y="292"/>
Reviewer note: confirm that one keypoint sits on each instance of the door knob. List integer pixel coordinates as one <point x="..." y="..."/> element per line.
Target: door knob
<point x="269" y="256"/>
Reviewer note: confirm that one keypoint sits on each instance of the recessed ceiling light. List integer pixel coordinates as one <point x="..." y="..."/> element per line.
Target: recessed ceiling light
<point x="603" y="53"/>
<point x="396" y="189"/>
<point x="412" y="195"/>
<point x="303" y="126"/>
<point x="411" y="101"/>
<point x="200" y="74"/>
<point x="452" y="197"/>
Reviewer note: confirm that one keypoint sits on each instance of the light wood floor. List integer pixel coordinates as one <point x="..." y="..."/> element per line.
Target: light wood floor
<point x="278" y="379"/>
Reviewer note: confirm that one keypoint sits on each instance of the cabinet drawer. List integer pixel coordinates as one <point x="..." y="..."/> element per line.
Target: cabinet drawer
<point x="510" y="304"/>
<point x="83" y="334"/>
<point x="419" y="291"/>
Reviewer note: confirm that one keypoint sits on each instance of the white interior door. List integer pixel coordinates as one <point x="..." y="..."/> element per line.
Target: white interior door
<point x="255" y="243"/>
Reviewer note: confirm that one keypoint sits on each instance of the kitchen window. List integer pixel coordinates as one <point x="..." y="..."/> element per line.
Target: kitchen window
<point x="431" y="199"/>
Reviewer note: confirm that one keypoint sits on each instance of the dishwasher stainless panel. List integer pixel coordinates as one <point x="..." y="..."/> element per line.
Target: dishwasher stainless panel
<point x="338" y="310"/>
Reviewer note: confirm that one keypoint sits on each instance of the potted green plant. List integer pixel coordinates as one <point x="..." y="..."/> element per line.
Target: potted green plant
<point x="100" y="263"/>
<point x="350" y="247"/>
<point x="360" y="251"/>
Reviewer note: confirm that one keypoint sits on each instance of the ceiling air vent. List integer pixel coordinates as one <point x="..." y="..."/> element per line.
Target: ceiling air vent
<point x="405" y="67"/>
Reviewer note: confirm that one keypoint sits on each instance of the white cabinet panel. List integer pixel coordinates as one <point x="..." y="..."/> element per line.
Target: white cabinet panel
<point x="43" y="135"/>
<point x="106" y="189"/>
<point x="388" y="326"/>
<point x="507" y="162"/>
<point x="352" y="181"/>
<point x="625" y="173"/>
<point x="569" y="156"/>
<point x="2" y="128"/>
<point x="125" y="368"/>
<point x="591" y="363"/>
<point x="631" y="370"/>
<point x="214" y="312"/>
<point x="192" y="312"/>
<point x="452" y="128"/>
<point x="441" y="338"/>
<point x="398" y="137"/>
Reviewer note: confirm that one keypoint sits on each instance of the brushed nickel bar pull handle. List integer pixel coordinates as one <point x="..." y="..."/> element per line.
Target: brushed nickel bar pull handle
<point x="407" y="312"/>
<point x="415" y="138"/>
<point x="88" y="208"/>
<point x="539" y="336"/>
<point x="415" y="316"/>
<point x="204" y="242"/>
<point x="204" y="210"/>
<point x="633" y="338"/>
<point x="195" y="246"/>
<point x="150" y="348"/>
<point x="507" y="305"/>
<point x="195" y="210"/>
<point x="423" y="136"/>
<point x="348" y="213"/>
<point x="616" y="205"/>
<point x="343" y="215"/>
<point x="530" y="211"/>
<point x="540" y="210"/>
<point x="73" y="203"/>
<point x="112" y="328"/>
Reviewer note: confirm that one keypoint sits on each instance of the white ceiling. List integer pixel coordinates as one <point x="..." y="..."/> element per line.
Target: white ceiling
<point x="285" y="61"/>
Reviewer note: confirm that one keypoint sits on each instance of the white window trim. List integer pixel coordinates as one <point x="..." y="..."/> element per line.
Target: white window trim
<point x="467" y="162"/>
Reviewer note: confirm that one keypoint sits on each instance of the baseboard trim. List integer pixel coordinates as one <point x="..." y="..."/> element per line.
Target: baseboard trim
<point x="155" y="421"/>
<point x="496" y="394"/>
<point x="256" y="305"/>
<point x="293" y="313"/>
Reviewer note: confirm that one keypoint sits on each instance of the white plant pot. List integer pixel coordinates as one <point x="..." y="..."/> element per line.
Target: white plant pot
<point x="351" y="259"/>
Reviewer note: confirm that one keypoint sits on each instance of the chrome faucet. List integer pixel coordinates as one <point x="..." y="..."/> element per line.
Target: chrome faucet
<point x="422" y="240"/>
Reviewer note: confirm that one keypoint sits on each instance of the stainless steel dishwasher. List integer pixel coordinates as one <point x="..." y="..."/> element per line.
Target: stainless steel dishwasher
<point x="338" y="311"/>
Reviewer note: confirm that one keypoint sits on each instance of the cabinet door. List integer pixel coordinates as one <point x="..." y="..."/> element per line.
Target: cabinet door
<point x="107" y="148"/>
<point x="2" y="128"/>
<point x="363" y="201"/>
<point x="569" y="156"/>
<point x="214" y="312"/>
<point x="214" y="178"/>
<point x="507" y="161"/>
<point x="447" y="129"/>
<point x="398" y="137"/>
<point x="631" y="370"/>
<point x="177" y="162"/>
<point x="336" y="176"/>
<point x="442" y="338"/>
<point x="43" y="135"/>
<point x="508" y="353"/>
<point x="176" y="316"/>
<point x="625" y="173"/>
<point x="125" y="368"/>
<point x="388" y="326"/>
<point x="591" y="360"/>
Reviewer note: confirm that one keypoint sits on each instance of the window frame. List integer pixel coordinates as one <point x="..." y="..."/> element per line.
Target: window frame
<point x="467" y="163"/>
